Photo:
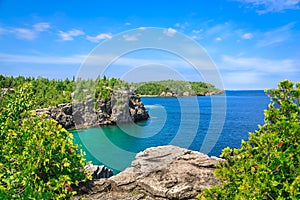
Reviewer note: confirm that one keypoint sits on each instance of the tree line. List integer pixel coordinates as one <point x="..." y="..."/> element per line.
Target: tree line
<point x="176" y="87"/>
<point x="39" y="160"/>
<point x="50" y="92"/>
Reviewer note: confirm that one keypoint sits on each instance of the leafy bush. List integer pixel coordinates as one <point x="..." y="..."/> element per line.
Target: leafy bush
<point x="38" y="159"/>
<point x="267" y="165"/>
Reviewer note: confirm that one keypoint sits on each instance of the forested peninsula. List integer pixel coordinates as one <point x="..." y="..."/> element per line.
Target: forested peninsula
<point x="51" y="92"/>
<point x="104" y="101"/>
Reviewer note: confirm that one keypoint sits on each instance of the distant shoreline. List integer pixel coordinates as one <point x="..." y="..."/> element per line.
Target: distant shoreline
<point x="174" y="95"/>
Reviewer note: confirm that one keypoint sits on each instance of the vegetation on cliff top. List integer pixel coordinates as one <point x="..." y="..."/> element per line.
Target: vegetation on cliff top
<point x="267" y="166"/>
<point x="176" y="87"/>
<point x="48" y="92"/>
<point x="38" y="159"/>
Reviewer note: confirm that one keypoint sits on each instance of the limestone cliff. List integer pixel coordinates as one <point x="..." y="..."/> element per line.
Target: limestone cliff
<point x="123" y="107"/>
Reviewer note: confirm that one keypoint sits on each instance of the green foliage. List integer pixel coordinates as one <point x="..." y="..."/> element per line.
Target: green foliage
<point x="45" y="92"/>
<point x="98" y="89"/>
<point x="174" y="86"/>
<point x="267" y="165"/>
<point x="53" y="92"/>
<point x="38" y="159"/>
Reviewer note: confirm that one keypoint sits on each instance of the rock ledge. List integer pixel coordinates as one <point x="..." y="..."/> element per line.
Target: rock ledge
<point x="124" y="106"/>
<point x="164" y="172"/>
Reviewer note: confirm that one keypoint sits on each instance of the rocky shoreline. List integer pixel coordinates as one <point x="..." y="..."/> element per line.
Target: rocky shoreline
<point x="163" y="172"/>
<point x="123" y="107"/>
<point x="185" y="94"/>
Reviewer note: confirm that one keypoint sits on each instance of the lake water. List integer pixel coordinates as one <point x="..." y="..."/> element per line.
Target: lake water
<point x="195" y="123"/>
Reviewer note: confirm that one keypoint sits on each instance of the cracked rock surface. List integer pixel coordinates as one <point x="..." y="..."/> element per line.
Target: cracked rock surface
<point x="163" y="172"/>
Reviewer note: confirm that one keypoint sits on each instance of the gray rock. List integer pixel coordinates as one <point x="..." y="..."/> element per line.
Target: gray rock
<point x="98" y="171"/>
<point x="164" y="172"/>
<point x="123" y="107"/>
<point x="156" y="158"/>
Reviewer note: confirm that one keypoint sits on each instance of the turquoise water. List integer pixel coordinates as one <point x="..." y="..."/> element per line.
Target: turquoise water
<point x="192" y="123"/>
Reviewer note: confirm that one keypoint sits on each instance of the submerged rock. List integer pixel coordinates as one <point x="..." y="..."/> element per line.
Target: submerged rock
<point x="164" y="172"/>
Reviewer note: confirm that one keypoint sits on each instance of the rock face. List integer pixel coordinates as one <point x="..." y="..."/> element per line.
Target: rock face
<point x="98" y="171"/>
<point x="123" y="107"/>
<point x="164" y="172"/>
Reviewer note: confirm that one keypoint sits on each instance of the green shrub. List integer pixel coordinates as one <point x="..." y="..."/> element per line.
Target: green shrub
<point x="267" y="165"/>
<point x="38" y="159"/>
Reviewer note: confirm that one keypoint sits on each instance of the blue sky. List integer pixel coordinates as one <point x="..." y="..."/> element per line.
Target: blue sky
<point x="254" y="43"/>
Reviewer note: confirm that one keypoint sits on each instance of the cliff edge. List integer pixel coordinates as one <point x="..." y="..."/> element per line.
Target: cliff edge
<point x="124" y="106"/>
<point x="163" y="172"/>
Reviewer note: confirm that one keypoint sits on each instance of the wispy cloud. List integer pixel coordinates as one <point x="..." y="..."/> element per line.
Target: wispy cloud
<point x="266" y="6"/>
<point x="220" y="31"/>
<point x="198" y="31"/>
<point x="23" y="33"/>
<point x="262" y="65"/>
<point x="142" y="28"/>
<point x="217" y="29"/>
<point x="131" y="37"/>
<point x="255" y="72"/>
<point x="40" y="27"/>
<point x="181" y="26"/>
<point x="127" y="24"/>
<point x="247" y="36"/>
<point x="19" y="58"/>
<point x="275" y="36"/>
<point x="99" y="37"/>
<point x="69" y="35"/>
<point x="170" y="32"/>
<point x="29" y="33"/>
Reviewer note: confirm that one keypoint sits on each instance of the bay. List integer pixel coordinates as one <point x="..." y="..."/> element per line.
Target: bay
<point x="190" y="122"/>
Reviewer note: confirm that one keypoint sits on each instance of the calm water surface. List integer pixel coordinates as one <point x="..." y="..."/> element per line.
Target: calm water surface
<point x="174" y="121"/>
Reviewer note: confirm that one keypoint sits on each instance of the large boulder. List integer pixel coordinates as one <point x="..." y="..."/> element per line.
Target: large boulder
<point x="164" y="172"/>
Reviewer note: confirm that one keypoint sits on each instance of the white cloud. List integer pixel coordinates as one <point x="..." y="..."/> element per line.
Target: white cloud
<point x="130" y="37"/>
<point x="142" y="28"/>
<point x="127" y="23"/>
<point x="17" y="58"/>
<point x="241" y="78"/>
<point x="181" y="25"/>
<point x="261" y="65"/>
<point x="255" y="72"/>
<point x="275" y="36"/>
<point x="29" y="33"/>
<point x="177" y="25"/>
<point x="196" y="37"/>
<point x="67" y="36"/>
<point x="2" y="30"/>
<point x="247" y="36"/>
<point x="170" y="32"/>
<point x="97" y="38"/>
<point x="220" y="31"/>
<point x="40" y="27"/>
<point x="217" y="29"/>
<point x="265" y="6"/>
<point x="197" y="31"/>
<point x="23" y="33"/>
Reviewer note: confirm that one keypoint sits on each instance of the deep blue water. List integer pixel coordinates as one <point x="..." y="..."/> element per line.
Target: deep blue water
<point x="195" y="123"/>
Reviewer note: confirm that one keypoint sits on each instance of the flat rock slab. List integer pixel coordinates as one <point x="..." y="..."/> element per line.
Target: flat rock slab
<point x="164" y="172"/>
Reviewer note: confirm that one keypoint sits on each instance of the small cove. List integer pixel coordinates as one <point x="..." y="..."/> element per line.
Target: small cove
<point x="116" y="146"/>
